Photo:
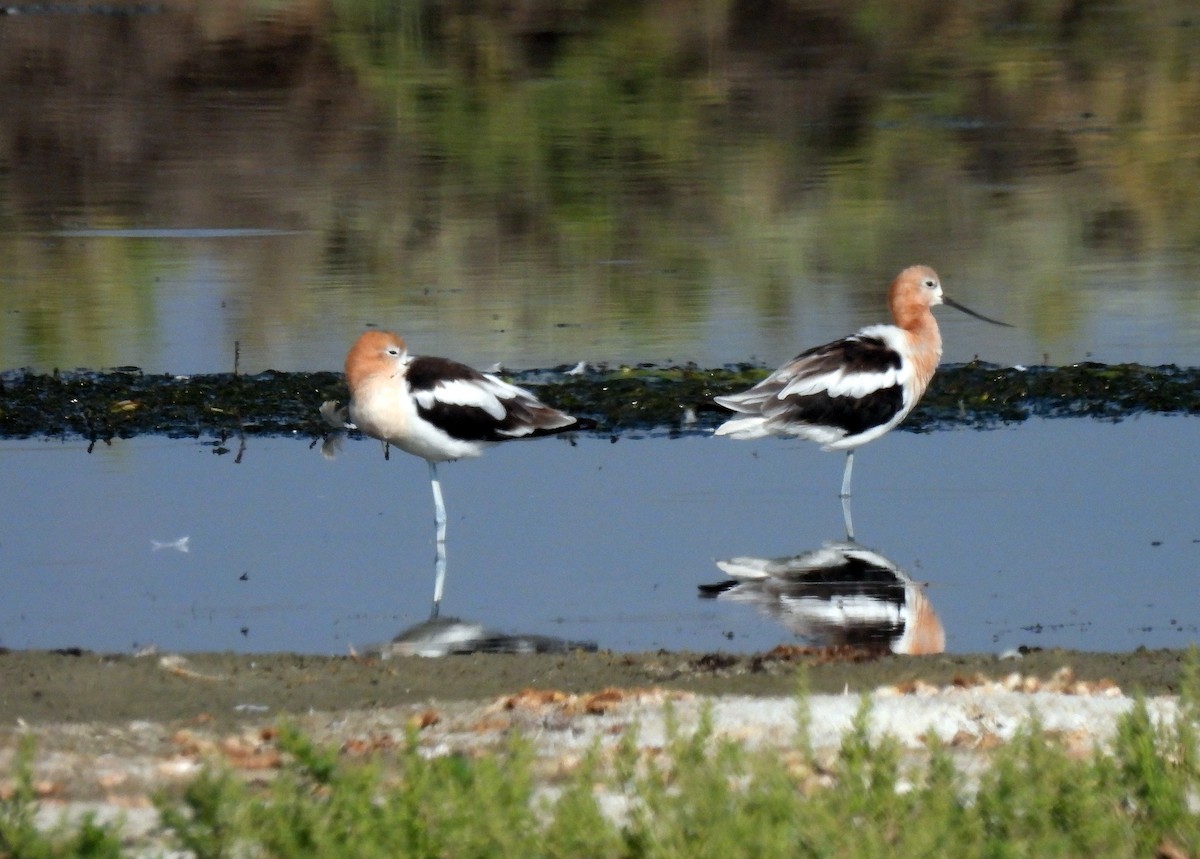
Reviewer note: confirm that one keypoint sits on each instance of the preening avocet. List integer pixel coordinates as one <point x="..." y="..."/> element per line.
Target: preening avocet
<point x="436" y="409"/>
<point x="851" y="391"/>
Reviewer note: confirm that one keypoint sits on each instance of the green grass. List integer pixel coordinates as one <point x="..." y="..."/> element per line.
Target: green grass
<point x="700" y="796"/>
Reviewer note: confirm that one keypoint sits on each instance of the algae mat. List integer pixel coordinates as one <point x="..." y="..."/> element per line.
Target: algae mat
<point x="125" y="402"/>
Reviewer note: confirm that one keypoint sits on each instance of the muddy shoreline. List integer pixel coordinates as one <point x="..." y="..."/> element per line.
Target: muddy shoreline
<point x="48" y="687"/>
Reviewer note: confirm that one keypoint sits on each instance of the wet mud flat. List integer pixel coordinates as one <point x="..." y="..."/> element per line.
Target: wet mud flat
<point x="74" y="686"/>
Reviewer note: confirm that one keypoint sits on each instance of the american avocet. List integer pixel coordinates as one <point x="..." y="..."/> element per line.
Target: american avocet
<point x="851" y="391"/>
<point x="842" y="594"/>
<point x="439" y="410"/>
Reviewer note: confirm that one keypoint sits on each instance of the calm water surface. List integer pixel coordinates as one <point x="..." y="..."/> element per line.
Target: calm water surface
<point x="1070" y="533"/>
<point x="667" y="182"/>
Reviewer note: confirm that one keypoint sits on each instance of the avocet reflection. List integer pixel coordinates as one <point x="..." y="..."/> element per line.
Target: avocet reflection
<point x="841" y="594"/>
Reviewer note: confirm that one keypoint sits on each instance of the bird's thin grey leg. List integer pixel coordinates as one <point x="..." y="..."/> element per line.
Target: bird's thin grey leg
<point x="846" y="476"/>
<point x="846" y="516"/>
<point x="439" y="522"/>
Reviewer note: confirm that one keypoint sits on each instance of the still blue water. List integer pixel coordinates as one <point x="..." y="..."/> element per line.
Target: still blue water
<point x="508" y="185"/>
<point x="1065" y="533"/>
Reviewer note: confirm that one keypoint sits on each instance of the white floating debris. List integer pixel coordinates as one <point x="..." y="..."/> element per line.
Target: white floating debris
<point x="337" y="418"/>
<point x="578" y="370"/>
<point x="180" y="545"/>
<point x="335" y="415"/>
<point x="178" y="665"/>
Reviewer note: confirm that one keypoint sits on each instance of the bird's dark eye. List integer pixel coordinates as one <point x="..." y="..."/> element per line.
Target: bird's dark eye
<point x="930" y="282"/>
<point x="392" y="350"/>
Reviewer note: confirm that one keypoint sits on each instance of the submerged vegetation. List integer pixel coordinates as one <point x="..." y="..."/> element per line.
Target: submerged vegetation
<point x="701" y="794"/>
<point x="124" y="403"/>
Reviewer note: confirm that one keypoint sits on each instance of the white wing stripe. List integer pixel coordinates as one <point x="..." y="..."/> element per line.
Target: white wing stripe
<point x="460" y="392"/>
<point x="854" y="609"/>
<point x="842" y="384"/>
<point x="503" y="389"/>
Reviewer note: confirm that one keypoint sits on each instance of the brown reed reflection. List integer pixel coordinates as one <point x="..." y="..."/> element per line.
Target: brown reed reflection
<point x="456" y="159"/>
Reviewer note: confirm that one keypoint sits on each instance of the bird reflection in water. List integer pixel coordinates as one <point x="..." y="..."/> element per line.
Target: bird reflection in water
<point x="841" y="595"/>
<point x="446" y="636"/>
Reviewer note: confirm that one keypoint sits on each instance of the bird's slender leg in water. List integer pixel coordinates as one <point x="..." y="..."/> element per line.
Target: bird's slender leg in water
<point x="439" y="521"/>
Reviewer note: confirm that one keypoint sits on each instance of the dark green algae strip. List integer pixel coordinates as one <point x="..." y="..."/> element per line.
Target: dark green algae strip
<point x="626" y="400"/>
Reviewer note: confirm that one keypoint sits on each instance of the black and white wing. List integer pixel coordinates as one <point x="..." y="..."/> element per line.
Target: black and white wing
<point x="474" y="406"/>
<point x="827" y="393"/>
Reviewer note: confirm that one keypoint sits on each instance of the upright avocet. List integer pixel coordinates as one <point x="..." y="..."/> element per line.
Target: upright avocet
<point x="851" y="391"/>
<point x="436" y="409"/>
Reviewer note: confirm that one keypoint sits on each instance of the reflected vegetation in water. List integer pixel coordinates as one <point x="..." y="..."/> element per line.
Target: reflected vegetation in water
<point x="841" y="595"/>
<point x="707" y="180"/>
